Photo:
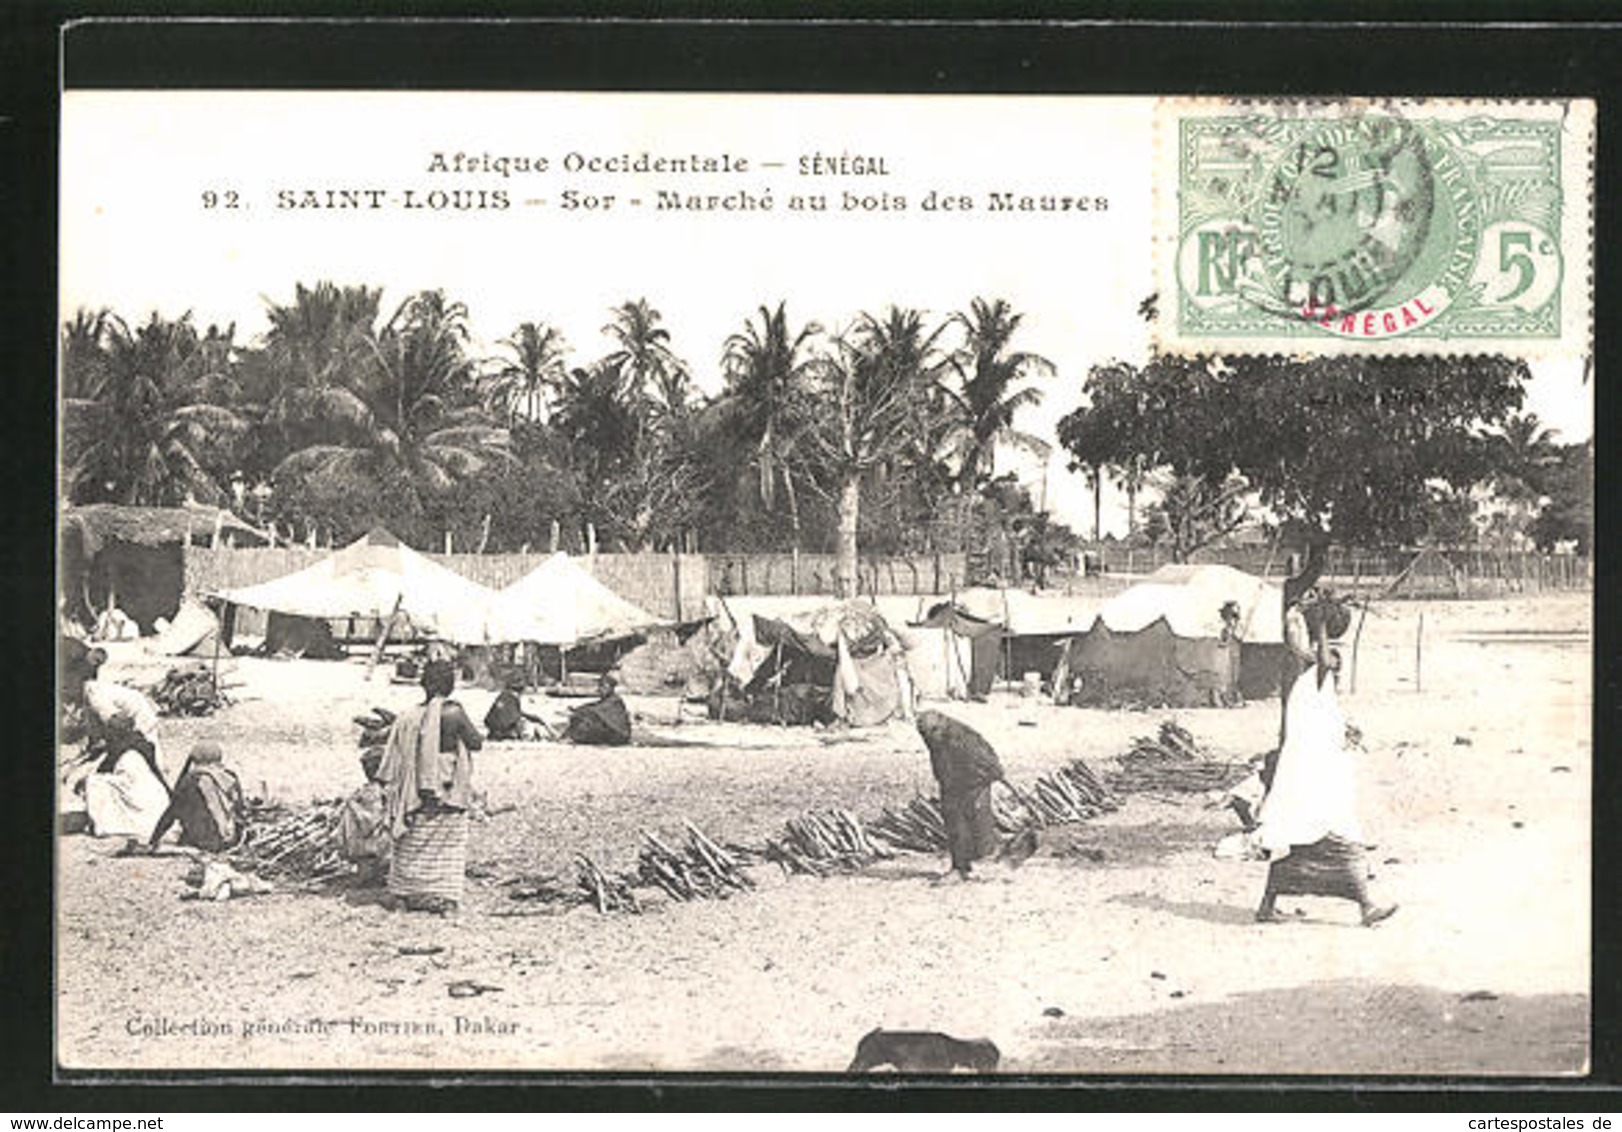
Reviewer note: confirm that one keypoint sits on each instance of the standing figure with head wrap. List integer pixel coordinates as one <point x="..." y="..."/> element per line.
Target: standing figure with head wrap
<point x="965" y="767"/>
<point x="427" y="780"/>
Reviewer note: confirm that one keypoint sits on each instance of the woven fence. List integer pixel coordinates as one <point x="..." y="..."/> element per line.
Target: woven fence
<point x="1404" y="573"/>
<point x="779" y="574"/>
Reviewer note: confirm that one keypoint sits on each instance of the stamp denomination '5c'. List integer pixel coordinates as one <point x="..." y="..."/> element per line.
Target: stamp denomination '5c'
<point x="1374" y="227"/>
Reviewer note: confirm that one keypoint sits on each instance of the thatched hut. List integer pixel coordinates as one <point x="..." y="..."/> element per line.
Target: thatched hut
<point x="135" y="557"/>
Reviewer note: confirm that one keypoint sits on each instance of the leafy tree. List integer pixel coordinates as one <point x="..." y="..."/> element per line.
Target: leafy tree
<point x="1349" y="449"/>
<point x="1345" y="445"/>
<point x="1192" y="513"/>
<point x="1568" y="485"/>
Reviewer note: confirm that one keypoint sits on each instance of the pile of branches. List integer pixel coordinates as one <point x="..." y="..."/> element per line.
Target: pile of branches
<point x="1070" y="794"/>
<point x="607" y="893"/>
<point x="188" y="691"/>
<point x="297" y="846"/>
<point x="703" y="871"/>
<point x="1172" y="763"/>
<point x="919" y="828"/>
<point x="816" y="844"/>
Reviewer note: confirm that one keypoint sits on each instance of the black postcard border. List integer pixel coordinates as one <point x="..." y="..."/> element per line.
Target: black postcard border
<point x="1171" y="48"/>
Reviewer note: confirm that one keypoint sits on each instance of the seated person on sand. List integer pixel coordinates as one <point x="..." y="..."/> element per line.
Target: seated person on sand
<point x="507" y="719"/>
<point x="206" y="803"/>
<point x="104" y="700"/>
<point x="125" y="795"/>
<point x="605" y="722"/>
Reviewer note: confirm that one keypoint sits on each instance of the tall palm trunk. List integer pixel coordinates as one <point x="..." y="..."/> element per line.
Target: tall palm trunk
<point x="794" y="527"/>
<point x="850" y="503"/>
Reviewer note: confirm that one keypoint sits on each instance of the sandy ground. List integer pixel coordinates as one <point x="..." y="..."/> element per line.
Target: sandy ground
<point x="1475" y="788"/>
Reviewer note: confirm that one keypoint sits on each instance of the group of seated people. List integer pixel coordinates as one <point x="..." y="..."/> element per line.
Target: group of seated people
<point x="604" y="722"/>
<point x="118" y="778"/>
<point x="115" y="784"/>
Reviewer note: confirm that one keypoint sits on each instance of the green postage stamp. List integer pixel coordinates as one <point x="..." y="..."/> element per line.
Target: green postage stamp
<point x="1374" y="226"/>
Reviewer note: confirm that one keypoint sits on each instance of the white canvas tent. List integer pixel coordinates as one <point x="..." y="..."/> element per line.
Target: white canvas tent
<point x="1190" y="598"/>
<point x="377" y="577"/>
<point x="560" y="603"/>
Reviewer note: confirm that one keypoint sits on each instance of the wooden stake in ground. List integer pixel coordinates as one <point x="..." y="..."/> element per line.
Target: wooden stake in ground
<point x="383" y="636"/>
<point x="1356" y="637"/>
<point x="1419" y="653"/>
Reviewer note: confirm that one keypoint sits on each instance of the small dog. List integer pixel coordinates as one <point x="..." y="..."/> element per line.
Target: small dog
<point x="923" y="1051"/>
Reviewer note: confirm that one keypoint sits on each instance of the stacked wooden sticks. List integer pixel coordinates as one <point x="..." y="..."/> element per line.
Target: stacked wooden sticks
<point x="1172" y="763"/>
<point x="816" y="844"/>
<point x="703" y="871"/>
<point x="302" y="845"/>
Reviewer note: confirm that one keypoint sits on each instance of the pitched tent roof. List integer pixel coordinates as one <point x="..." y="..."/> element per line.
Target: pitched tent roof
<point x="369" y="576"/>
<point x="565" y="605"/>
<point x="1021" y="613"/>
<point x="1190" y="598"/>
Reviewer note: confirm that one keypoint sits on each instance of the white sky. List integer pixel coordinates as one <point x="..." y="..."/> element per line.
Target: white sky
<point x="135" y="236"/>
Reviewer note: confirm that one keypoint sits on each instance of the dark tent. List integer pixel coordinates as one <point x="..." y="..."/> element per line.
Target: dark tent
<point x="798" y="681"/>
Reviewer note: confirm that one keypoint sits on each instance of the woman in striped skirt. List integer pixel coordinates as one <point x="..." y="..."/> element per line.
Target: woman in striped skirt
<point x="1309" y="825"/>
<point x="427" y="778"/>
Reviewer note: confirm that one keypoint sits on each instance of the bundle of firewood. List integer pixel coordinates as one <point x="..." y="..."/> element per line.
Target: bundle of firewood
<point x="1070" y="794"/>
<point x="188" y="691"/>
<point x="607" y="893"/>
<point x="300" y="845"/>
<point x="919" y="828"/>
<point x="704" y="871"/>
<point x="1172" y="763"/>
<point x="817" y="844"/>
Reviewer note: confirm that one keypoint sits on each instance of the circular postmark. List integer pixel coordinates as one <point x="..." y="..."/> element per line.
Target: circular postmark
<point x="1347" y="210"/>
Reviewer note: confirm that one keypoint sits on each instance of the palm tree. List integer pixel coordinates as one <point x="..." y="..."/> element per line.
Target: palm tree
<point x="520" y="387"/>
<point x="871" y="388"/>
<point x="316" y="353"/>
<point x="644" y="359"/>
<point x="597" y="416"/>
<point x="409" y="424"/>
<point x="768" y="371"/>
<point x="137" y="424"/>
<point x="1520" y="452"/>
<point x="1133" y="475"/>
<point x="986" y="402"/>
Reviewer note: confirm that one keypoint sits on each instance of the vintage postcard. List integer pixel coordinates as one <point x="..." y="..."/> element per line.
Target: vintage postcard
<point x="823" y="584"/>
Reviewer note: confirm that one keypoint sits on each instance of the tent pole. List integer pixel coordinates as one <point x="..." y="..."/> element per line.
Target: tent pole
<point x="1356" y="638"/>
<point x="219" y="631"/>
<point x="383" y="636"/>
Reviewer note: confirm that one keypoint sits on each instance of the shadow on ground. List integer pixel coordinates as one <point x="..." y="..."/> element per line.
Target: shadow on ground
<point x="1341" y="1027"/>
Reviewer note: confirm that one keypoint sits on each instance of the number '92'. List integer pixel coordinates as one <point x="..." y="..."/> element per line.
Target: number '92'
<point x="221" y="198"/>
